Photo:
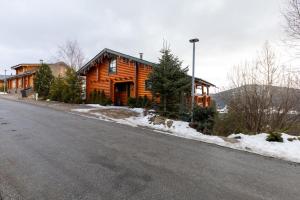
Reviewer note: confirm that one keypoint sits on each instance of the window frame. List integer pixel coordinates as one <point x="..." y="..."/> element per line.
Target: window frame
<point x="109" y="66"/>
<point x="147" y="82"/>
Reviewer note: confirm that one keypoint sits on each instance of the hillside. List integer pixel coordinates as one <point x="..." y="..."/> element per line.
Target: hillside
<point x="222" y="98"/>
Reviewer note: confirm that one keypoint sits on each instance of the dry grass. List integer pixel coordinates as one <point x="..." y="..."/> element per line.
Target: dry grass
<point x="117" y="113"/>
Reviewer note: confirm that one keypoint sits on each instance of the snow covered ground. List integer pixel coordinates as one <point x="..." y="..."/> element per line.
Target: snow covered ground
<point x="223" y="110"/>
<point x="251" y="143"/>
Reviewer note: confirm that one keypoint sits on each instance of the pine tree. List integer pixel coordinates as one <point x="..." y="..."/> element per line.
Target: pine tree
<point x="169" y="80"/>
<point x="72" y="90"/>
<point x="43" y="80"/>
<point x="57" y="88"/>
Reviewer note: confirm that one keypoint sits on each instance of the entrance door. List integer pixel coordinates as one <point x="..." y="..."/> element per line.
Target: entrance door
<point x="122" y="92"/>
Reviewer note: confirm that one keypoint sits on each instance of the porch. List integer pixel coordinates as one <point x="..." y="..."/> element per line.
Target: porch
<point x="121" y="92"/>
<point x="20" y="82"/>
<point x="202" y="97"/>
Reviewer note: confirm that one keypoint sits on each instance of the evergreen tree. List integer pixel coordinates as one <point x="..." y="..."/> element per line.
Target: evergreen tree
<point x="57" y="88"/>
<point x="43" y="80"/>
<point x="169" y="80"/>
<point x="72" y="89"/>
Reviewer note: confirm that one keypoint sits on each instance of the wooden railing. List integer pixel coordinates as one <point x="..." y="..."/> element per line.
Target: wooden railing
<point x="203" y="100"/>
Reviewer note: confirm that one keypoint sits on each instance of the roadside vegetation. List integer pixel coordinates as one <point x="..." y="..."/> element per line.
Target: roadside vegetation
<point x="67" y="88"/>
<point x="43" y="80"/>
<point x="64" y="89"/>
<point x="170" y="83"/>
<point x="2" y="89"/>
<point x="257" y="106"/>
<point x="99" y="97"/>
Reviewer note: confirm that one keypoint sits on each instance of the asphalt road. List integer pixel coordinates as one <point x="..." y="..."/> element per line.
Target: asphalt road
<point x="48" y="154"/>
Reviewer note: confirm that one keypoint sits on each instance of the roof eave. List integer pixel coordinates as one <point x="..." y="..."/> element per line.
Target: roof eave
<point x="81" y="71"/>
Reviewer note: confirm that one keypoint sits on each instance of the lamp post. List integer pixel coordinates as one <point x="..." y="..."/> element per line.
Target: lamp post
<point x="193" y="77"/>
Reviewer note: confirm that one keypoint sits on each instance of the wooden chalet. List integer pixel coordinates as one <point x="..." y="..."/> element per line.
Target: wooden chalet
<point x="2" y="79"/>
<point x="121" y="76"/>
<point x="25" y="73"/>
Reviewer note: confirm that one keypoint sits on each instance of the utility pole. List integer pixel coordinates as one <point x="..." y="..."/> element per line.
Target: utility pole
<point x="193" y="78"/>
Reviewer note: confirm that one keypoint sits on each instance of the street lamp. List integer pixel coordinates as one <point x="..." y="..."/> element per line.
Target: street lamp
<point x="193" y="76"/>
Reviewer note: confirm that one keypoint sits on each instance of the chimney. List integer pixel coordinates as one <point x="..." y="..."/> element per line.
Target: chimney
<point x="141" y="56"/>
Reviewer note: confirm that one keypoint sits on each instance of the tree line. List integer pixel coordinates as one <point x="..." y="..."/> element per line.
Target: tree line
<point x="66" y="88"/>
<point x="62" y="88"/>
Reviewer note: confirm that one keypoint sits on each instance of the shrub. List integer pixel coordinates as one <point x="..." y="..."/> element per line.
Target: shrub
<point x="228" y="123"/>
<point x="99" y="97"/>
<point x="105" y="102"/>
<point x="274" y="137"/>
<point x="184" y="116"/>
<point x="56" y="89"/>
<point x="291" y="139"/>
<point x="204" y="119"/>
<point x="140" y="102"/>
<point x="172" y="115"/>
<point x="146" y="102"/>
<point x="93" y="95"/>
<point x="72" y="90"/>
<point x="131" y="102"/>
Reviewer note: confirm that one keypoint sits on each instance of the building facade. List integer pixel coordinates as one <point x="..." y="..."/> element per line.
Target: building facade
<point x="2" y="79"/>
<point x="25" y="73"/>
<point x="121" y="76"/>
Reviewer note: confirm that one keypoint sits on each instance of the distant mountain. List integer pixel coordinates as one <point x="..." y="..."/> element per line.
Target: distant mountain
<point x="2" y="77"/>
<point x="223" y="97"/>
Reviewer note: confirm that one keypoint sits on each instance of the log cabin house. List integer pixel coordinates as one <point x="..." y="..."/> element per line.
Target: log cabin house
<point x="2" y="79"/>
<point x="121" y="76"/>
<point x="25" y="73"/>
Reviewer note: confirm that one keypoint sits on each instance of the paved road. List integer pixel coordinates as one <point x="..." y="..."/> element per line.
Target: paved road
<point x="48" y="154"/>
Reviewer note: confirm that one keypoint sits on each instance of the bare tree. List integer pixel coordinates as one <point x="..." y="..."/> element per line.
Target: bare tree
<point x="265" y="95"/>
<point x="71" y="54"/>
<point x="292" y="27"/>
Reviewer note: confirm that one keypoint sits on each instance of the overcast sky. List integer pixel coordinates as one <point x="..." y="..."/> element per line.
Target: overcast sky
<point x="230" y="31"/>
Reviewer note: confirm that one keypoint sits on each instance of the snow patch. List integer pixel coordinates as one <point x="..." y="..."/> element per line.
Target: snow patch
<point x="257" y="143"/>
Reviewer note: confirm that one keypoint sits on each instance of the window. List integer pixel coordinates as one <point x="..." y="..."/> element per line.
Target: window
<point x="148" y="85"/>
<point x="113" y="66"/>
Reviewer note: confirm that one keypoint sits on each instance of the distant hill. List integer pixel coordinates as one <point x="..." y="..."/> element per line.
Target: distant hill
<point x="223" y="97"/>
<point x="2" y="77"/>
